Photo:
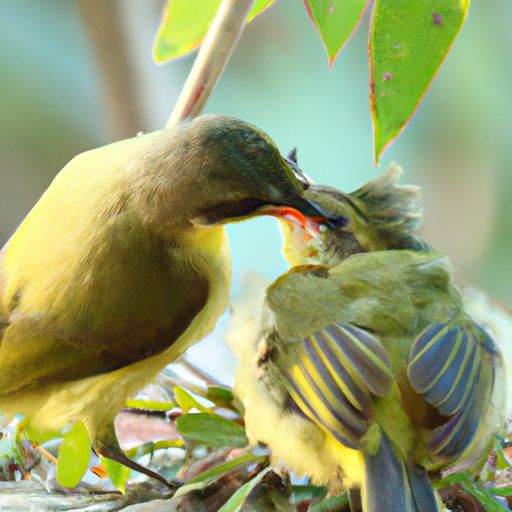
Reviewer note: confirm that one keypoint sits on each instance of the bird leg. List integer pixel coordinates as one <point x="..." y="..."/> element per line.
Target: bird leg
<point x="109" y="448"/>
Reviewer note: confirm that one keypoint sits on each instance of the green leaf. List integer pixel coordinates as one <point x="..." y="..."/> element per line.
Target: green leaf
<point x="165" y="444"/>
<point x="484" y="496"/>
<point x="36" y="434"/>
<point x="236" y="502"/>
<point x="335" y="21"/>
<point x="185" y="23"/>
<point x="185" y="489"/>
<point x="258" y="7"/>
<point x="220" y="396"/>
<point x="307" y="492"/>
<point x="502" y="491"/>
<point x="502" y="461"/>
<point x="331" y="504"/>
<point x="74" y="455"/>
<point x="408" y="43"/>
<point x="227" y="467"/>
<point x="186" y="401"/>
<point x="117" y="473"/>
<point x="205" y="479"/>
<point x="152" y="446"/>
<point x="150" y="405"/>
<point x="211" y="430"/>
<point x="452" y="479"/>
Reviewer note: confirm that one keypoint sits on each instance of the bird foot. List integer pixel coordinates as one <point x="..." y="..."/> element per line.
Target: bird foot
<point x="119" y="456"/>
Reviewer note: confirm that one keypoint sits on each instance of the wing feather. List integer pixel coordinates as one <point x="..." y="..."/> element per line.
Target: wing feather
<point x="35" y="351"/>
<point x="447" y="367"/>
<point x="336" y="374"/>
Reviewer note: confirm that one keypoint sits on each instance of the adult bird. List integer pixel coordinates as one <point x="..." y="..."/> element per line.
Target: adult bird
<point x="361" y="370"/>
<point x="123" y="263"/>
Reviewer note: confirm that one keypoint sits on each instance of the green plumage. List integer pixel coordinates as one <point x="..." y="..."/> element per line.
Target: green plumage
<point x="346" y="345"/>
<point x="368" y="368"/>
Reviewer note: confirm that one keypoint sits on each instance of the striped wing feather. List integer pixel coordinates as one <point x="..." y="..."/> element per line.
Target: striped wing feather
<point x="446" y="369"/>
<point x="336" y="374"/>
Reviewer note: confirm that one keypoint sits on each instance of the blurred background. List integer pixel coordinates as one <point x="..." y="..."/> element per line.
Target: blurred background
<point x="79" y="74"/>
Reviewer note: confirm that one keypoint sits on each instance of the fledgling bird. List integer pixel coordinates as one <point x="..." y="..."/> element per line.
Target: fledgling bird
<point x="123" y="263"/>
<point x="361" y="369"/>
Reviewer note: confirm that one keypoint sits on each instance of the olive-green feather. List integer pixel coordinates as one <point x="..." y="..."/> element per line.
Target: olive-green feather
<point x="388" y="377"/>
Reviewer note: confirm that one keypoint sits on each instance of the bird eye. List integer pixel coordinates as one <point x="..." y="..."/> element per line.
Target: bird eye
<point x="340" y="222"/>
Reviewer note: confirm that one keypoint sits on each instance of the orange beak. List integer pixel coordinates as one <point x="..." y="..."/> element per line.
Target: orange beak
<point x="309" y="224"/>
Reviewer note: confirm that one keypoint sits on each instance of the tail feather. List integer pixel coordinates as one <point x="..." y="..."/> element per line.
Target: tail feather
<point x="392" y="486"/>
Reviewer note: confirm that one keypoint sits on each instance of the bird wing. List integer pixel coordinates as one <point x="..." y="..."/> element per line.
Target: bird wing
<point x="452" y="366"/>
<point x="335" y="375"/>
<point x="34" y="351"/>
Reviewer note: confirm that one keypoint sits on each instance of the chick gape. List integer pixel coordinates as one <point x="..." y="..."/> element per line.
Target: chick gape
<point x="308" y="226"/>
<point x="311" y="225"/>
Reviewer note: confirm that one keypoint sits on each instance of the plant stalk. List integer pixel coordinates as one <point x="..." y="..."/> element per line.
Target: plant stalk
<point x="211" y="60"/>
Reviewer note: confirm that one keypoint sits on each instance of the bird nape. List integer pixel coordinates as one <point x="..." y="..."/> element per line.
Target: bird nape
<point x="123" y="263"/>
<point x="360" y="368"/>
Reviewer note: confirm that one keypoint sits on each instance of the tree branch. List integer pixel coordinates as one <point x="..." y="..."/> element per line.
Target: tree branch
<point x="211" y="60"/>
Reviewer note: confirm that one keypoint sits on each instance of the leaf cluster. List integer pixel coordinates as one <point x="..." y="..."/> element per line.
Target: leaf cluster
<point x="408" y="42"/>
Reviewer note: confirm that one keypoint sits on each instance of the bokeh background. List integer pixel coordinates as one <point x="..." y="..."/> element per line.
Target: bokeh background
<point x="78" y="74"/>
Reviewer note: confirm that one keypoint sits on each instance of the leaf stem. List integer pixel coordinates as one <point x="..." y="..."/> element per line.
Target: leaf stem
<point x="211" y="60"/>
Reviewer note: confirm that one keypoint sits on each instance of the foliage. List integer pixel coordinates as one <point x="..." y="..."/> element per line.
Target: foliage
<point x="211" y="430"/>
<point x="236" y="502"/>
<point x="117" y="473"/>
<point x="185" y="23"/>
<point x="408" y="41"/>
<point x="335" y="21"/>
<point x="464" y="487"/>
<point x="74" y="455"/>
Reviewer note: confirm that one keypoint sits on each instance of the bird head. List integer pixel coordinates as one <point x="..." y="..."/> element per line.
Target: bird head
<point x="380" y="215"/>
<point x="223" y="170"/>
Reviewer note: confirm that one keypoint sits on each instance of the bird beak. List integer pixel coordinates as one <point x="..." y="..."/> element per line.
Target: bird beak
<point x="286" y="213"/>
<point x="310" y="224"/>
<point x="303" y="215"/>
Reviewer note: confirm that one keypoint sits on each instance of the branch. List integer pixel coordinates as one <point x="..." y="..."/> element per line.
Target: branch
<point x="211" y="60"/>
